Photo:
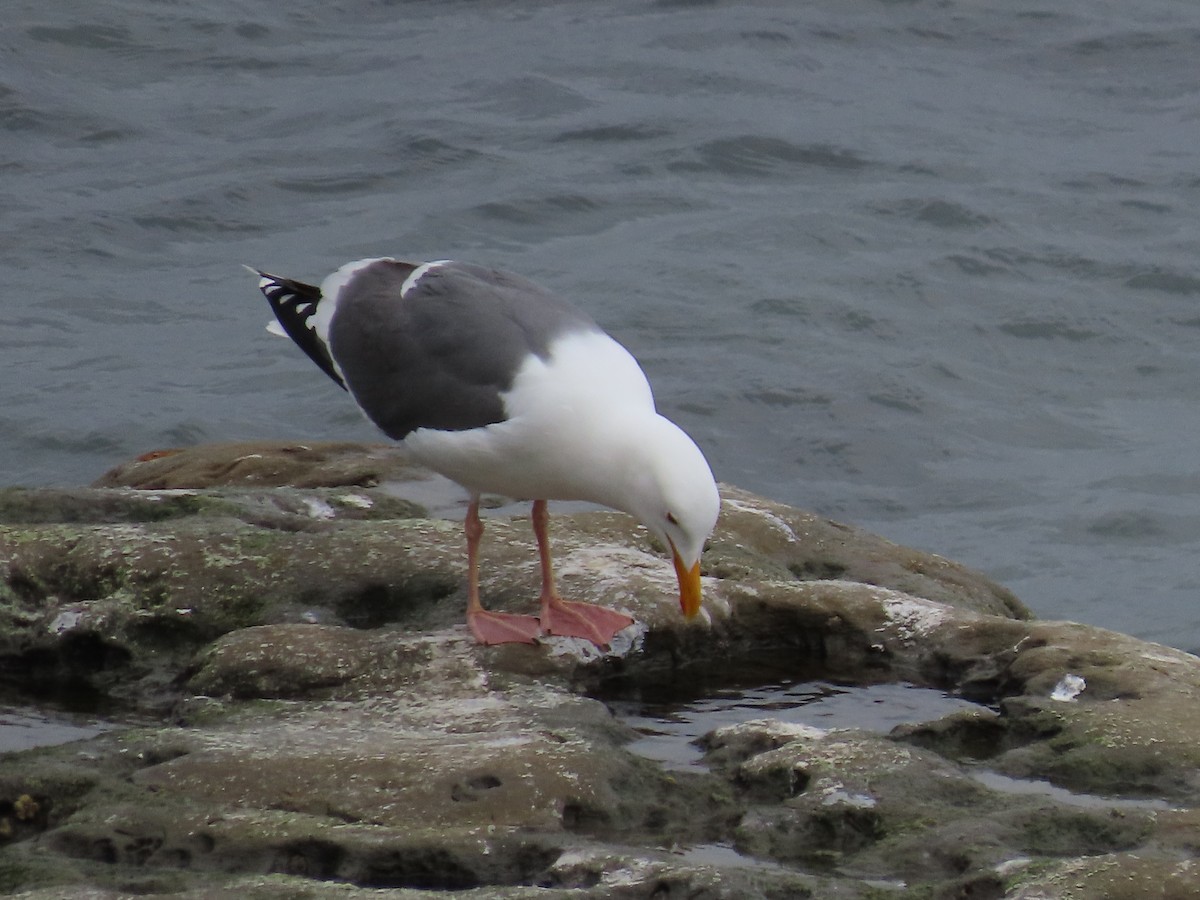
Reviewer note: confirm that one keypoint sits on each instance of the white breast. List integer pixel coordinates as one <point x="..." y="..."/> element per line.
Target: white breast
<point x="569" y="419"/>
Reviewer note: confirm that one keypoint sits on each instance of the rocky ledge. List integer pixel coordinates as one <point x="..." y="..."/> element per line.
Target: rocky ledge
<point x="278" y="631"/>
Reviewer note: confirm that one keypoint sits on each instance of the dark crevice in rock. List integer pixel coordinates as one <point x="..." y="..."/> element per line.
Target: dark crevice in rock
<point x="974" y="887"/>
<point x="26" y="586"/>
<point x="375" y="605"/>
<point x="430" y="867"/>
<point x="585" y="818"/>
<point x="983" y="677"/>
<point x="23" y="815"/>
<point x="312" y="858"/>
<point x="470" y="790"/>
<point x="773" y="787"/>
<point x="81" y="663"/>
<point x="817" y="570"/>
<point x="173" y="633"/>
<point x="968" y="736"/>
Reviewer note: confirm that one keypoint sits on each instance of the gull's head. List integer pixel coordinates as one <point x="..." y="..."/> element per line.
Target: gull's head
<point x="675" y="497"/>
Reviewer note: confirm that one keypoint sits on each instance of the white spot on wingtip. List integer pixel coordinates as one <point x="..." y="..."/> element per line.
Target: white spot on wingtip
<point x="275" y="328"/>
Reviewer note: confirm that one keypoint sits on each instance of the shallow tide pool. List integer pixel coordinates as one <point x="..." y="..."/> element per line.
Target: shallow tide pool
<point x="670" y="729"/>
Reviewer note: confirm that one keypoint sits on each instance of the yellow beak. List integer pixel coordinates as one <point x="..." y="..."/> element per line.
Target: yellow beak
<point x="689" y="585"/>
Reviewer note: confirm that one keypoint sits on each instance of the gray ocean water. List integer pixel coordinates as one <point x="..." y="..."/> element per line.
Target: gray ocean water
<point x="928" y="267"/>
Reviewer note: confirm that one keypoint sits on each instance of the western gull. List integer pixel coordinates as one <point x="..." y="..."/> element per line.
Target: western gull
<point x="496" y="383"/>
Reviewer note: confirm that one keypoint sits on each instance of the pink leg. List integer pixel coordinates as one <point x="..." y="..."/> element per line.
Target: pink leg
<point x="489" y="627"/>
<point x="584" y="620"/>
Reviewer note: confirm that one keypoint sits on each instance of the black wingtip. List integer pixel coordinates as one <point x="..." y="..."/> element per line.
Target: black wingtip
<point x="294" y="304"/>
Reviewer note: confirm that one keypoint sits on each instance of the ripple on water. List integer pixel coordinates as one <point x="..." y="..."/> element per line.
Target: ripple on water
<point x="760" y="156"/>
<point x="90" y="36"/>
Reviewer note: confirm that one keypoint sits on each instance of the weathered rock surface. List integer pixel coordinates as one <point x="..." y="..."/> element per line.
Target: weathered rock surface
<point x="313" y="720"/>
<point x="265" y="464"/>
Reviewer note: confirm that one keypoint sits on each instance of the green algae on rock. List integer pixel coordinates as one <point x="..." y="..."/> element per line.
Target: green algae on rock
<point x="320" y="724"/>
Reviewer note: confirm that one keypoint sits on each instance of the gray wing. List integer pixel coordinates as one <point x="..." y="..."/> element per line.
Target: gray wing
<point x="442" y="355"/>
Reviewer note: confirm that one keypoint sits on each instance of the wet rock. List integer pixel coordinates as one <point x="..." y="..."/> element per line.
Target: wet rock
<point x="316" y="722"/>
<point x="1107" y="876"/>
<point x="849" y="796"/>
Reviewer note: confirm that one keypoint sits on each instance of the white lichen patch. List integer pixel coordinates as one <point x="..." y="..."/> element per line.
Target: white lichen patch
<point x="623" y="643"/>
<point x="840" y="759"/>
<point x="1068" y="688"/>
<point x="778" y="731"/>
<point x="623" y="575"/>
<point x="1010" y="867"/>
<point x="65" y="621"/>
<point x="570" y="859"/>
<point x="766" y="515"/>
<point x="358" y="501"/>
<point x="838" y="795"/>
<point x="123" y="532"/>
<point x="632" y="873"/>
<point x="1169" y="656"/>
<point x="476" y="727"/>
<point x="912" y="617"/>
<point x="612" y="563"/>
<point x="318" y="508"/>
<point x="215" y="560"/>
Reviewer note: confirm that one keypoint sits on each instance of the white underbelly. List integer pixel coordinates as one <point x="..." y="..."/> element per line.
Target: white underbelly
<point x="527" y="463"/>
